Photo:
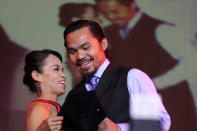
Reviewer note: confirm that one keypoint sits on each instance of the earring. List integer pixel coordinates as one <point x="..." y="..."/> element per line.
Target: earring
<point x="38" y="86"/>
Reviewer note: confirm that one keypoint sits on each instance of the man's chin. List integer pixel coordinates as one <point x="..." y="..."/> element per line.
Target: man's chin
<point x="87" y="73"/>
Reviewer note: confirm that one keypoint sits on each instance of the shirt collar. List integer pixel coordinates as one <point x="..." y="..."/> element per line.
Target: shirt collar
<point x="98" y="73"/>
<point x="102" y="68"/>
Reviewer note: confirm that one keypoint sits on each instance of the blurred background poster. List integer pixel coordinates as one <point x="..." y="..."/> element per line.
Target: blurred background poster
<point x="156" y="36"/>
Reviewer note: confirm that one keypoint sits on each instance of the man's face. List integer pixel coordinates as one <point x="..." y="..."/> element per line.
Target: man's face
<point x="85" y="51"/>
<point x="116" y="12"/>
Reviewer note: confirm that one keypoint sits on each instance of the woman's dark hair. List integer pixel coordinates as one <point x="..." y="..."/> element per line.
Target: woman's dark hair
<point x="34" y="61"/>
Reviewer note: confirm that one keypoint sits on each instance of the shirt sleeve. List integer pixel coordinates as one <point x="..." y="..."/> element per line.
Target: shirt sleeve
<point x="139" y="83"/>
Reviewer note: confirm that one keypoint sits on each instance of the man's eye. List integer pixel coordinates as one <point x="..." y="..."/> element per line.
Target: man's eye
<point x="56" y="69"/>
<point x="71" y="52"/>
<point x="86" y="47"/>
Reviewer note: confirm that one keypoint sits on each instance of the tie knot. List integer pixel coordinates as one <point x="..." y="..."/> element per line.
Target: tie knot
<point x="94" y="80"/>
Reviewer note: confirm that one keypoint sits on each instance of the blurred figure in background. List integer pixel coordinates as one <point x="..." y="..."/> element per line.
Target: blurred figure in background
<point x="132" y="33"/>
<point x="71" y="12"/>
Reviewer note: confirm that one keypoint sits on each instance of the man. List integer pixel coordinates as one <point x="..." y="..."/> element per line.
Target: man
<point x="86" y="46"/>
<point x="133" y="34"/>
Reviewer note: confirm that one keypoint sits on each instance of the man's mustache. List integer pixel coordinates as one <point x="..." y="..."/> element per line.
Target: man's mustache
<point x="83" y="60"/>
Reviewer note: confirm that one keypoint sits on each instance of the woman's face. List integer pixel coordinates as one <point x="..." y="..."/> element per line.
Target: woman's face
<point x="52" y="78"/>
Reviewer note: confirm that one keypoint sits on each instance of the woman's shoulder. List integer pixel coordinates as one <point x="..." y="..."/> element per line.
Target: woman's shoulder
<point x="38" y="108"/>
<point x="36" y="113"/>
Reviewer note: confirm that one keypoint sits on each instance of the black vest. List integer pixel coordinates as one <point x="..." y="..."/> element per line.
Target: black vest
<point x="112" y="92"/>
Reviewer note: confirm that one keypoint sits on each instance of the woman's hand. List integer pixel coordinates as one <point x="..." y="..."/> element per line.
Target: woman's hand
<point x="53" y="123"/>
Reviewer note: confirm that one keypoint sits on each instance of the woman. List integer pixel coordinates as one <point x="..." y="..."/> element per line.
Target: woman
<point x="44" y="76"/>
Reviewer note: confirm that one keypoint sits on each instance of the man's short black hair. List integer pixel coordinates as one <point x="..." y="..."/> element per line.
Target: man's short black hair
<point x="93" y="26"/>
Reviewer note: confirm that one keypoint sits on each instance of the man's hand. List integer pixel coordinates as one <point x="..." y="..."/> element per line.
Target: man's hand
<point x="108" y="125"/>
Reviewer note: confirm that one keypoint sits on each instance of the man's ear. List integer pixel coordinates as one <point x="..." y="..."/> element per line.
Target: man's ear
<point x="104" y="44"/>
<point x="36" y="75"/>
